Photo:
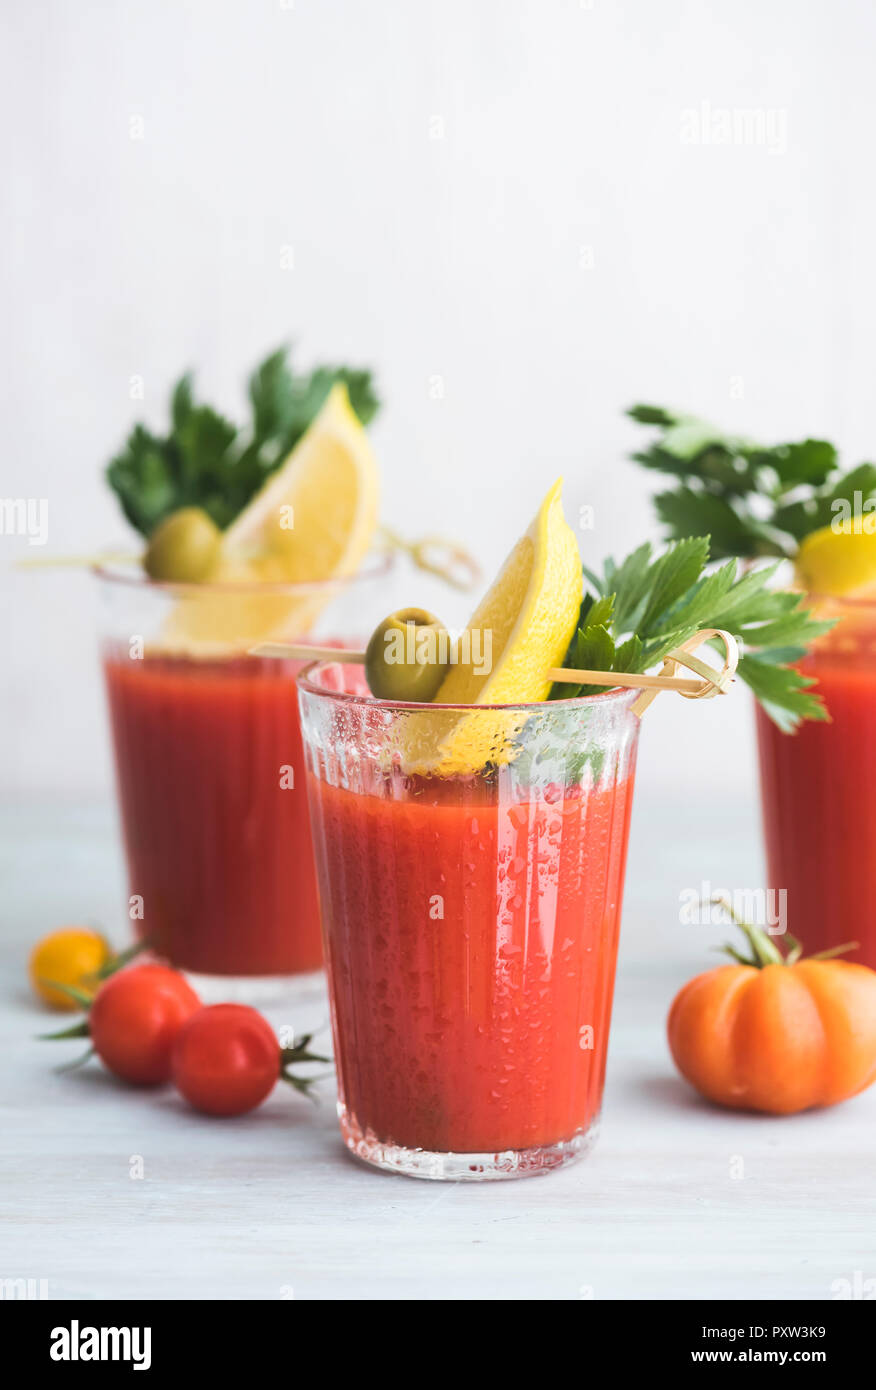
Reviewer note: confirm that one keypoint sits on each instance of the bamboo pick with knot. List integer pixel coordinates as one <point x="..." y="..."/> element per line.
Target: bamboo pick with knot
<point x="710" y="683"/>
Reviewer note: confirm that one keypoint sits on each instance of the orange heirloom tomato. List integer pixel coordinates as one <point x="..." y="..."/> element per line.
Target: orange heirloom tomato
<point x="776" y="1033"/>
<point x="70" y="956"/>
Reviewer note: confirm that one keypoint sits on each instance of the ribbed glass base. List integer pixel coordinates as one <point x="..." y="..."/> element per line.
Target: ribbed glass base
<point x="463" y="1167"/>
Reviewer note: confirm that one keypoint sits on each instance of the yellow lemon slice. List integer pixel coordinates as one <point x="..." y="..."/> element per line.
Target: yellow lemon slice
<point x="521" y="628"/>
<point x="315" y="517"/>
<point x="312" y="522"/>
<point x="840" y="560"/>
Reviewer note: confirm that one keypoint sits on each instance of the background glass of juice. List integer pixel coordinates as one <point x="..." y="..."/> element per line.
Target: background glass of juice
<point x="819" y="792"/>
<point x="470" y="924"/>
<point x="210" y="768"/>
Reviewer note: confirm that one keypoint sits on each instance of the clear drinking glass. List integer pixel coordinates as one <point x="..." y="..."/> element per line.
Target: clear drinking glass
<point x="210" y="767"/>
<point x="470" y="920"/>
<point x="819" y="791"/>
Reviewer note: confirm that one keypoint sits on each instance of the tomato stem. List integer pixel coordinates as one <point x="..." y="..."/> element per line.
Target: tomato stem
<point x="78" y="1030"/>
<point x="297" y="1053"/>
<point x="120" y="958"/>
<point x="81" y="996"/>
<point x="764" y="951"/>
<point x="79" y="1062"/>
<point x="835" y="951"/>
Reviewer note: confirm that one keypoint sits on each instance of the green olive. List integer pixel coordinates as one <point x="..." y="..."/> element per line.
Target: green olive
<point x="407" y="656"/>
<point x="184" y="548"/>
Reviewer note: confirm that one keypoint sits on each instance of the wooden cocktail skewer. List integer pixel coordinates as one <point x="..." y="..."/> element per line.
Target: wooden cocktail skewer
<point x="711" y="682"/>
<point x="100" y="557"/>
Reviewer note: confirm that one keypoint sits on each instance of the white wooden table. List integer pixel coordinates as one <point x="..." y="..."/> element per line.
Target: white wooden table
<point x="677" y="1201"/>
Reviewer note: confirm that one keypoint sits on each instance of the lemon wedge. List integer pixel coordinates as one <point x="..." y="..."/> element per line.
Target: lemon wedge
<point x="838" y="560"/>
<point x="521" y="628"/>
<point x="315" y="517"/>
<point x="312" y="522"/>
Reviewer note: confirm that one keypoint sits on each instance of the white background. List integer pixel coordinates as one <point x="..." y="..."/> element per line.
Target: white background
<point x="557" y="253"/>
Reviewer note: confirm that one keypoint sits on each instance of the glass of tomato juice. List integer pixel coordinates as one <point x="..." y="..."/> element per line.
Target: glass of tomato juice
<point x="470" y="923"/>
<point x="819" y="791"/>
<point x="210" y="767"/>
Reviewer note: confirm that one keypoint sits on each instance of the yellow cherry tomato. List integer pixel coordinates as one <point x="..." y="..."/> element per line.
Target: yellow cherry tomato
<point x="70" y="956"/>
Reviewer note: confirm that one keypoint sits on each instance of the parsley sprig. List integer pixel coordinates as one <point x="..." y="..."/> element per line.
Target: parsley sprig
<point x="751" y="499"/>
<point x="635" y="612"/>
<point x="207" y="461"/>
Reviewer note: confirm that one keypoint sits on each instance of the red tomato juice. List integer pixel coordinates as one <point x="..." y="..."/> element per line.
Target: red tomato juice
<point x="471" y="946"/>
<point x="218" y="848"/>
<point x="819" y="801"/>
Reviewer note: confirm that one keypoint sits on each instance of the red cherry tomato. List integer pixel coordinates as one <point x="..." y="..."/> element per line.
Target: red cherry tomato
<point x="226" y="1060"/>
<point x="134" y="1019"/>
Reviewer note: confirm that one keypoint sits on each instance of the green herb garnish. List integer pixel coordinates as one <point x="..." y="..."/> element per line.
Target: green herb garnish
<point x="206" y="461"/>
<point x="752" y="500"/>
<point x="635" y="613"/>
